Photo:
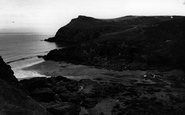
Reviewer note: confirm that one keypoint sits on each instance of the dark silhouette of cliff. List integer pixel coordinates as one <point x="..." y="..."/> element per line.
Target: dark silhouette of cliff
<point x="13" y="100"/>
<point x="131" y="42"/>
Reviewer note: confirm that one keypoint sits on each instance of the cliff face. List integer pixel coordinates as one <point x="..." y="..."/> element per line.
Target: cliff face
<point x="84" y="28"/>
<point x="12" y="100"/>
<point x="6" y="73"/>
<point x="132" y="42"/>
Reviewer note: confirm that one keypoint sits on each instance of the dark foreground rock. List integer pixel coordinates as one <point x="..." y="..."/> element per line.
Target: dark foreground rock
<point x="156" y="93"/>
<point x="62" y="108"/>
<point x="7" y="73"/>
<point x="13" y="101"/>
<point x="133" y="42"/>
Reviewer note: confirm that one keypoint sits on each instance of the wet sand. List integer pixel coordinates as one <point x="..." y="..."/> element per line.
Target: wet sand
<point x="51" y="68"/>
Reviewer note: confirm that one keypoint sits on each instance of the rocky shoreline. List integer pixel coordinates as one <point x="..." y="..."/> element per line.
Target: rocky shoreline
<point x="159" y="95"/>
<point x="154" y="44"/>
<point x="155" y="93"/>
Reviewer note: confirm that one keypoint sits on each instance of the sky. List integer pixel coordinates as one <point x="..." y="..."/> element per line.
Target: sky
<point x="47" y="16"/>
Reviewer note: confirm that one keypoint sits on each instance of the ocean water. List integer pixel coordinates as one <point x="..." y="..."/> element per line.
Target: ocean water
<point x="21" y="50"/>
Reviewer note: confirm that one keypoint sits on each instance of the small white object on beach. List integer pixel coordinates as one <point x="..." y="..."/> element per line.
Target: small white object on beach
<point x="145" y="75"/>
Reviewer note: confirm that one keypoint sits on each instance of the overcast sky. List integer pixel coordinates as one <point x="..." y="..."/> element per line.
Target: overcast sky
<point x="47" y="16"/>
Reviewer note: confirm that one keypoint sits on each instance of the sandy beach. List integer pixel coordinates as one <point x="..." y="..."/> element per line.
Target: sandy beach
<point x="52" y="68"/>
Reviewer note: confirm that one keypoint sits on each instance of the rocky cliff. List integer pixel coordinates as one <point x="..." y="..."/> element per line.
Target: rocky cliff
<point x="7" y="74"/>
<point x="83" y="28"/>
<point x="13" y="101"/>
<point x="131" y="42"/>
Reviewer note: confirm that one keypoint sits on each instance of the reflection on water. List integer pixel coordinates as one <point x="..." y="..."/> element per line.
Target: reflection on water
<point x="16" y="46"/>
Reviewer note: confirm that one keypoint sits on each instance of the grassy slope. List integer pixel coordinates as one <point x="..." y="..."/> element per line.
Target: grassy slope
<point x="133" y="42"/>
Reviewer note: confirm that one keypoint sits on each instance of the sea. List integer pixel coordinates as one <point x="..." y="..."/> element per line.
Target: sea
<point x="22" y="50"/>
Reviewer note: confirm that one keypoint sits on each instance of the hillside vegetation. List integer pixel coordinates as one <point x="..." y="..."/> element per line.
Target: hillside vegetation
<point x="131" y="42"/>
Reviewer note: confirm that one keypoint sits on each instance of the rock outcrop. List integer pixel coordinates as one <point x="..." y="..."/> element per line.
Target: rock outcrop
<point x="159" y="95"/>
<point x="7" y="74"/>
<point x="14" y="101"/>
<point x="132" y="42"/>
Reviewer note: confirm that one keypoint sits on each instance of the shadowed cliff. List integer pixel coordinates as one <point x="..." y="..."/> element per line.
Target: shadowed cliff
<point x="131" y="42"/>
<point x="13" y="101"/>
<point x="85" y="28"/>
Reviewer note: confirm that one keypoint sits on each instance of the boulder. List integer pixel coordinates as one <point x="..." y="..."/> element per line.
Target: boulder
<point x="65" y="96"/>
<point x="89" y="102"/>
<point x="70" y="85"/>
<point x="43" y="95"/>
<point x="31" y="84"/>
<point x="90" y="88"/>
<point x="63" y="108"/>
